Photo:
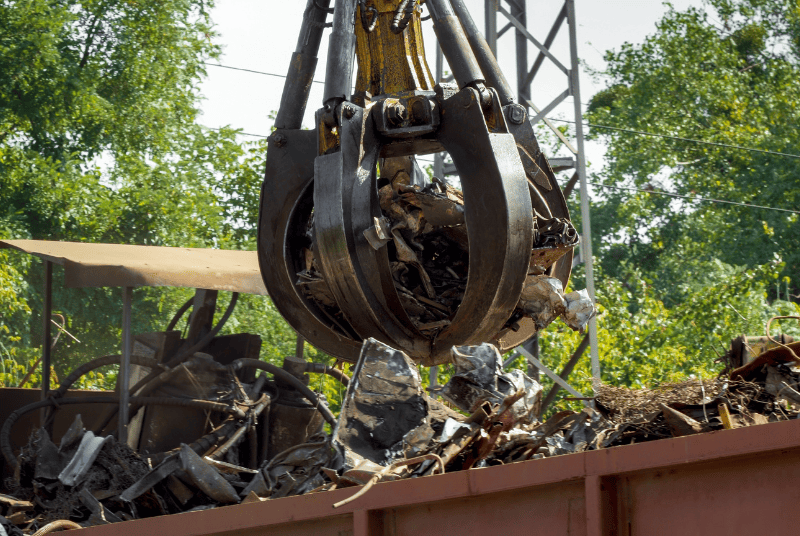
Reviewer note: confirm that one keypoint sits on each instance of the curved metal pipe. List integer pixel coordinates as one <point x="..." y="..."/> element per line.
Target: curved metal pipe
<point x="291" y="380"/>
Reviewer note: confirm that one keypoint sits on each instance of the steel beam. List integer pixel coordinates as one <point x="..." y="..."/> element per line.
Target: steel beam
<point x="125" y="366"/>
<point x="586" y="224"/>
<point x="552" y="375"/>
<point x="47" y="312"/>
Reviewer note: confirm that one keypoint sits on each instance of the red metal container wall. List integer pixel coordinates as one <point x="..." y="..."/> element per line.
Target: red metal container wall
<point x="731" y="482"/>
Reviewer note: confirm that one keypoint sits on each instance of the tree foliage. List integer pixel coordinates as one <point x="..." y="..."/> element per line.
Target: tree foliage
<point x="100" y="142"/>
<point x="726" y="74"/>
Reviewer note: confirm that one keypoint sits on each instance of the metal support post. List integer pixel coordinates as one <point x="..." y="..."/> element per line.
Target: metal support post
<point x="125" y="367"/>
<point x="47" y="312"/>
<point x="438" y="158"/>
<point x="523" y="89"/>
<point x="491" y="25"/>
<point x="586" y="226"/>
<point x="532" y="346"/>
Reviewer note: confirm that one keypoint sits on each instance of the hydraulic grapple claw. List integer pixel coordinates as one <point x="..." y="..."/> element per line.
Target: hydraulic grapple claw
<point x="352" y="243"/>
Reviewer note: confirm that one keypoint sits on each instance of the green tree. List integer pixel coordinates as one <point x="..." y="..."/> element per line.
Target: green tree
<point x="100" y="142"/>
<point x="726" y="74"/>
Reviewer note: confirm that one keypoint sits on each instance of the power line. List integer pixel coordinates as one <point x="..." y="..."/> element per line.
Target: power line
<point x="238" y="133"/>
<point x="601" y="185"/>
<point x="678" y="138"/>
<point x="693" y="198"/>
<point x="606" y="127"/>
<point x="252" y="71"/>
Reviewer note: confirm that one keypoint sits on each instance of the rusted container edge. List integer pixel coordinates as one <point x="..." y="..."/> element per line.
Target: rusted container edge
<point x="589" y="466"/>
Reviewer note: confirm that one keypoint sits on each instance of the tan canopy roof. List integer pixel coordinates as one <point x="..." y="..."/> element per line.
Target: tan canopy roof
<point x="118" y="265"/>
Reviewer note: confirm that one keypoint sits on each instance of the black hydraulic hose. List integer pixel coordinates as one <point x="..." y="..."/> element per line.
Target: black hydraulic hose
<point x="179" y="314"/>
<point x="287" y="377"/>
<point x="321" y="368"/>
<point x="180" y="358"/>
<point x="5" y="432"/>
<point x="199" y="345"/>
<point x="103" y="361"/>
<point x="402" y="15"/>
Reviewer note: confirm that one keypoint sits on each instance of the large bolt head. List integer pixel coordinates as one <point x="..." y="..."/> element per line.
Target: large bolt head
<point x="397" y="114"/>
<point x="516" y="114"/>
<point x="279" y="139"/>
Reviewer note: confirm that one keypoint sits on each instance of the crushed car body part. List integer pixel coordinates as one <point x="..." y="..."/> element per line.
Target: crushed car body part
<point x="384" y="411"/>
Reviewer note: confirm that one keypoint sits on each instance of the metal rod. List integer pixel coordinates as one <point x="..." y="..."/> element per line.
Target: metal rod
<point x="301" y="69"/>
<point x="586" y="225"/>
<point x="523" y="90"/>
<point x="451" y="38"/>
<point x="341" y="53"/>
<point x="565" y="372"/>
<point x="550" y="107"/>
<point x="438" y="158"/>
<point x="47" y="312"/>
<point x="552" y="375"/>
<point x="299" y="348"/>
<point x="483" y="54"/>
<point x="555" y="130"/>
<point x="570" y="185"/>
<point x="125" y="366"/>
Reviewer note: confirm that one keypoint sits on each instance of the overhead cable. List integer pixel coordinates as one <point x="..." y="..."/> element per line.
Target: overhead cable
<point x="252" y="71"/>
<point x="592" y="125"/>
<point x="691" y="140"/>
<point x="693" y="198"/>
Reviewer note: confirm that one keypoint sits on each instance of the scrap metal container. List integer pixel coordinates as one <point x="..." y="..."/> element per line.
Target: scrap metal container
<point x="729" y="482"/>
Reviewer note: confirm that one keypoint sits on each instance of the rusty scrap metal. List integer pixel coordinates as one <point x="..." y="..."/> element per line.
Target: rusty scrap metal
<point x="388" y="429"/>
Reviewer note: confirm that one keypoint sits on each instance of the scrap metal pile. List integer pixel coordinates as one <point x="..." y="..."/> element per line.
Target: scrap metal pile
<point x="429" y="257"/>
<point x="388" y="428"/>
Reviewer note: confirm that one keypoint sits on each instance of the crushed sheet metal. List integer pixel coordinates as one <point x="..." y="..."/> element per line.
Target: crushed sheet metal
<point x="297" y="469"/>
<point x="542" y="299"/>
<point x="479" y="378"/>
<point x="580" y="309"/>
<point x="82" y="460"/>
<point x="123" y="265"/>
<point x="157" y="474"/>
<point x="383" y="405"/>
<point x="451" y="428"/>
<point x="206" y="478"/>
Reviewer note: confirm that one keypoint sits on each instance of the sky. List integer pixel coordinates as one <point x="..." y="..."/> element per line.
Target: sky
<point x="261" y="35"/>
